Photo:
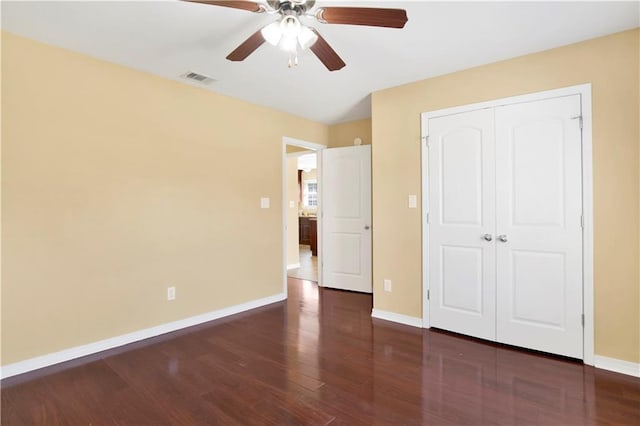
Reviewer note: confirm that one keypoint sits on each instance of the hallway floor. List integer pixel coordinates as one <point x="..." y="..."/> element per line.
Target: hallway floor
<point x="308" y="269"/>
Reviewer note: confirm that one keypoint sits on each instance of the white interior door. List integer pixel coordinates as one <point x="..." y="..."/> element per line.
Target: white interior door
<point x="539" y="211"/>
<point x="462" y="223"/>
<point x="346" y="220"/>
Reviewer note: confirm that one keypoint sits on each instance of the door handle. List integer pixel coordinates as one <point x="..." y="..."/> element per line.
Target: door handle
<point x="502" y="238"/>
<point x="487" y="237"/>
<point x="367" y="227"/>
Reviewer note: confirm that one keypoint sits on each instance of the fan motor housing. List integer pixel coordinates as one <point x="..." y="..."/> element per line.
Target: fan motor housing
<point x="297" y="7"/>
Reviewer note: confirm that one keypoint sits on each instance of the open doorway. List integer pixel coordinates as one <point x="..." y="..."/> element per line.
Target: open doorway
<point x="303" y="194"/>
<point x="301" y="209"/>
<point x="342" y="188"/>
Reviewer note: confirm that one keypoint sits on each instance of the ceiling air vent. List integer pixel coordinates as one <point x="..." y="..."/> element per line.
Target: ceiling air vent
<point x="200" y="78"/>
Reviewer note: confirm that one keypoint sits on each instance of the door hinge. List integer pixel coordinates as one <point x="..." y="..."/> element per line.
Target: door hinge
<point x="427" y="218"/>
<point x="426" y="140"/>
<point x="582" y="320"/>
<point x="579" y="118"/>
<point x="582" y="221"/>
<point x="428" y="295"/>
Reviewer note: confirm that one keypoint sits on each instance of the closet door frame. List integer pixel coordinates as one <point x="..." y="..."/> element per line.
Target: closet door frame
<point x="584" y="90"/>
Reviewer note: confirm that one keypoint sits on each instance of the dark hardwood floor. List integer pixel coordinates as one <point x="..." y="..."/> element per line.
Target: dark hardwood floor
<point x="318" y="358"/>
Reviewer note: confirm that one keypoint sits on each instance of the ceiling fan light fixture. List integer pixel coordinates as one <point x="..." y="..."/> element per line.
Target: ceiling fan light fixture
<point x="287" y="33"/>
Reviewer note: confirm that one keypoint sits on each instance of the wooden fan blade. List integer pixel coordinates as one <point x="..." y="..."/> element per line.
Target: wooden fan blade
<point x="235" y="4"/>
<point x="326" y="54"/>
<point x="374" y="17"/>
<point x="247" y="47"/>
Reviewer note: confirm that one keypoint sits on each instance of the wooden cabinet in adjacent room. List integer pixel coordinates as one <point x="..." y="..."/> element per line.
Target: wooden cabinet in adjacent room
<point x="304" y="230"/>
<point x="313" y="235"/>
<point x="308" y="232"/>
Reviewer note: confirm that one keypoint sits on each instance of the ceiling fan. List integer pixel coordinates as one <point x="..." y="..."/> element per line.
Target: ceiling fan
<point x="289" y="33"/>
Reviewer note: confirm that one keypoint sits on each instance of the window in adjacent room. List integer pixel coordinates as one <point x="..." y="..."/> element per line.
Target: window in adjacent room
<point x="310" y="193"/>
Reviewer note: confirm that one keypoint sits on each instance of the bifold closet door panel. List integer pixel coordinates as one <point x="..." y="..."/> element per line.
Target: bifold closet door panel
<point x="538" y="219"/>
<point x="461" y="223"/>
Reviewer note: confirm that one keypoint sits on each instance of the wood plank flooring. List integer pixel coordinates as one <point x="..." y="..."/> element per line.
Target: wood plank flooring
<point x="318" y="358"/>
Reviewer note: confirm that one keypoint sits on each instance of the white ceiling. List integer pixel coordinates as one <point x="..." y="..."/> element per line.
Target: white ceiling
<point x="169" y="38"/>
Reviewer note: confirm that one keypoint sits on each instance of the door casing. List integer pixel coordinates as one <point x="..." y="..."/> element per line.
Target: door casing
<point x="584" y="90"/>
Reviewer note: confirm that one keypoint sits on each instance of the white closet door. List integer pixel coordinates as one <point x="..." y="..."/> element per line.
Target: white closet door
<point x="538" y="215"/>
<point x="461" y="211"/>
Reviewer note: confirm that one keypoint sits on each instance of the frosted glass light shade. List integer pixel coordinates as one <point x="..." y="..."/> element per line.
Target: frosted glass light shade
<point x="272" y="33"/>
<point x="307" y="37"/>
<point x="288" y="44"/>
<point x="290" y="26"/>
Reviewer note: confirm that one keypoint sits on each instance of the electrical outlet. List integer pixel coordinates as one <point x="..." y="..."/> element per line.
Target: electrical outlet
<point x="387" y="286"/>
<point x="171" y="293"/>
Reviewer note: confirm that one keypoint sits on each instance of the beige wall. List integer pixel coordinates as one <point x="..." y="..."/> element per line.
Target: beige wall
<point x="293" y="248"/>
<point x="296" y="149"/>
<point x="611" y="65"/>
<point x="343" y="134"/>
<point x="310" y="175"/>
<point x="117" y="184"/>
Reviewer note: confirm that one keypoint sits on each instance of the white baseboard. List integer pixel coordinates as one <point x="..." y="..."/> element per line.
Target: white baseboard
<point x="293" y="266"/>
<point x="399" y="318"/>
<point x="113" y="342"/>
<point x="617" y="365"/>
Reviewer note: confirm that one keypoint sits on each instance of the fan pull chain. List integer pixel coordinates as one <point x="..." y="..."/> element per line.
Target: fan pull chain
<point x="293" y="60"/>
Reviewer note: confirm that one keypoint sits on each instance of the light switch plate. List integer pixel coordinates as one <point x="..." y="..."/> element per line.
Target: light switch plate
<point x="292" y="204"/>
<point x="413" y="201"/>
<point x="264" y="202"/>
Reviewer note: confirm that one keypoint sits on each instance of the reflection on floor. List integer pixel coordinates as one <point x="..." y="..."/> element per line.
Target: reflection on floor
<point x="308" y="269"/>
